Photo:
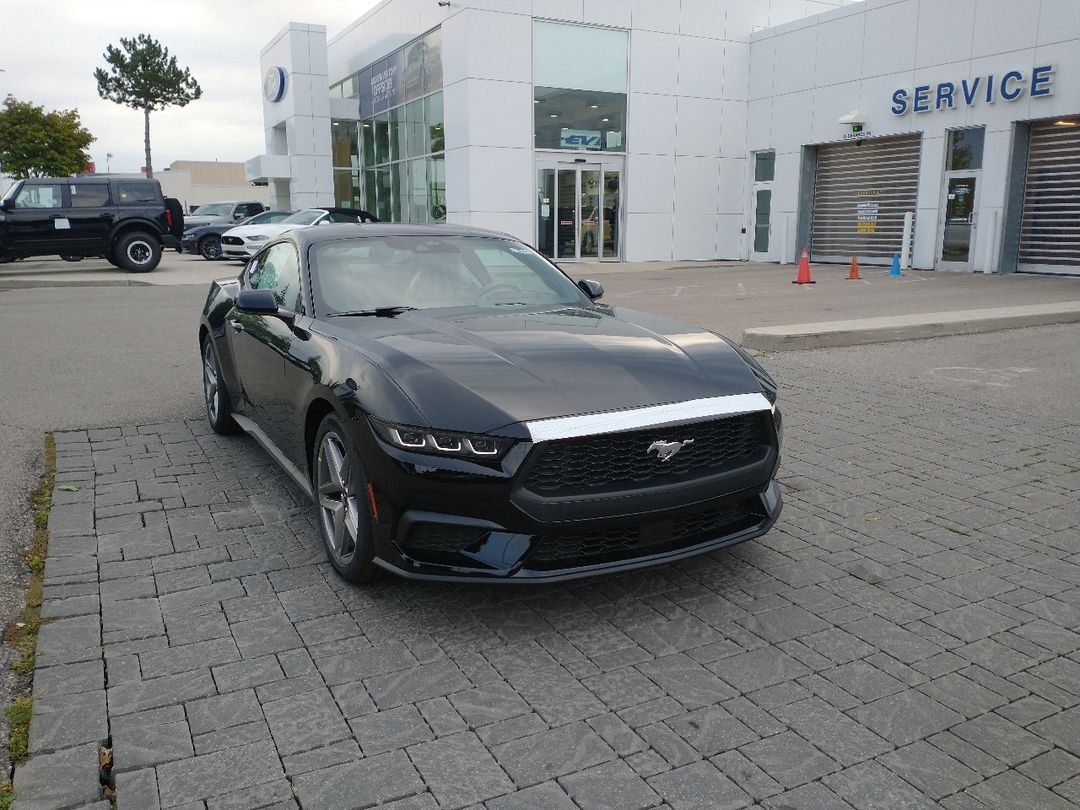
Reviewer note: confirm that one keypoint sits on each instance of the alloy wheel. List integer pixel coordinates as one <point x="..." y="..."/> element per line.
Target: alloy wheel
<point x="210" y="381"/>
<point x="339" y="507"/>
<point x="139" y="252"/>
<point x="210" y="248"/>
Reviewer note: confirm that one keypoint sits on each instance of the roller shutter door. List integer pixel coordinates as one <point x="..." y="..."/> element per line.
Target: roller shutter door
<point x="1050" y="229"/>
<point x="861" y="194"/>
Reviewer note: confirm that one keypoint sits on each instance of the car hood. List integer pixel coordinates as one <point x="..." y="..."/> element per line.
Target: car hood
<point x="195" y="221"/>
<point x="267" y="229"/>
<point x="482" y="373"/>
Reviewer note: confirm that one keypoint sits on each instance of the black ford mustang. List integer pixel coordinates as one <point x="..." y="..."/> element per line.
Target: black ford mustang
<point x="457" y="407"/>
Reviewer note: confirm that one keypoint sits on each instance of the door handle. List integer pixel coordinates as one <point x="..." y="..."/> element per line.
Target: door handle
<point x="237" y="326"/>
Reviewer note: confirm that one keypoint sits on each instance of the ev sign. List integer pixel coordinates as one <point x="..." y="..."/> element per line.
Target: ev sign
<point x="1009" y="86"/>
<point x="579" y="139"/>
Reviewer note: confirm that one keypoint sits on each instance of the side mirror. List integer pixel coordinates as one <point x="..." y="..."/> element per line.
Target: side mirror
<point x="257" y="302"/>
<point x="593" y="289"/>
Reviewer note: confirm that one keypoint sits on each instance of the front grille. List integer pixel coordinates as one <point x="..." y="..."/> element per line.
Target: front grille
<point x="607" y="545"/>
<point x="231" y="240"/>
<point x="620" y="461"/>
<point x="443" y="537"/>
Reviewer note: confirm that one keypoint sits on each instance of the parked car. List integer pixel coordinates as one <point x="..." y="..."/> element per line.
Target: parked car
<point x="458" y="408"/>
<point x="205" y="240"/>
<point x="229" y="212"/>
<point x="126" y="220"/>
<point x="245" y="241"/>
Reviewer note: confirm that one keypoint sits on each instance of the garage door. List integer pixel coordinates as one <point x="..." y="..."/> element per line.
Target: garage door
<point x="861" y="194"/>
<point x="1050" y="229"/>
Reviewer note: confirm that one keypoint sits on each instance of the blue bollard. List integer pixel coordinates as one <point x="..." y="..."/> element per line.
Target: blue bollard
<point x="895" y="272"/>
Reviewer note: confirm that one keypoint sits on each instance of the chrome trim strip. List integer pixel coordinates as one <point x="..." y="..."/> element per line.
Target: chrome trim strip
<point x="569" y="427"/>
<point x="268" y="445"/>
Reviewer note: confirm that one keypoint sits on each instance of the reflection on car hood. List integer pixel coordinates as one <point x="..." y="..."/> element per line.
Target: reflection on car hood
<point x="268" y="229"/>
<point x="479" y="373"/>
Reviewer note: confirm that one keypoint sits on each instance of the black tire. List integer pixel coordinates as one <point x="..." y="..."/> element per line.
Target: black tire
<point x="209" y="247"/>
<point x="137" y="252"/>
<point x="341" y="496"/>
<point x="215" y="393"/>
<point x="110" y="257"/>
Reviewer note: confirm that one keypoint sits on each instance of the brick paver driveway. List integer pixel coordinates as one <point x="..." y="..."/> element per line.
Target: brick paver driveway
<point x="906" y="637"/>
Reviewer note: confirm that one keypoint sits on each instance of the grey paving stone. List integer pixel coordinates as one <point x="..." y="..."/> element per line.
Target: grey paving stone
<point x="269" y="634"/>
<point x="64" y="779"/>
<point x="905" y="717"/>
<point x="131" y="619"/>
<point x="748" y="776"/>
<point x="832" y="732"/>
<point x="1002" y="739"/>
<point x="686" y="680"/>
<point x="459" y="770"/>
<point x="245" y="674"/>
<point x="930" y="770"/>
<point x="144" y="745"/>
<point x="305" y="721"/>
<point x="367" y="663"/>
<point x="355" y="785"/>
<point x="711" y="731"/>
<point x="869" y="786"/>
<point x="759" y="668"/>
<point x="789" y="759"/>
<point x="784" y="623"/>
<point x="548" y="796"/>
<point x="222" y="711"/>
<point x="187" y="657"/>
<point x="440" y="716"/>
<point x="216" y="774"/>
<point x="610" y="786"/>
<point x="390" y="729"/>
<point x="512" y="729"/>
<point x="807" y="797"/>
<point x="320" y="758"/>
<point x="669" y="745"/>
<point x="172" y="689"/>
<point x="1051" y="768"/>
<point x="66" y="720"/>
<point x="551" y="754"/>
<point x="137" y="790"/>
<point x="68" y="679"/>
<point x="489" y="704"/>
<point x="230" y="737"/>
<point x="418" y="683"/>
<point x="963" y="695"/>
<point x="1011" y="789"/>
<point x="617" y="734"/>
<point x="866" y="682"/>
<point x="699" y="786"/>
<point x="269" y="796"/>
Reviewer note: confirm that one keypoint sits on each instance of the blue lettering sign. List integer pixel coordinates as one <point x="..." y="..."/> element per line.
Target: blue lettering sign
<point x="922" y="99"/>
<point x="900" y="102"/>
<point x="581" y="140"/>
<point x="945" y="92"/>
<point x="1040" y="80"/>
<point x="948" y="95"/>
<point x="1006" y="93"/>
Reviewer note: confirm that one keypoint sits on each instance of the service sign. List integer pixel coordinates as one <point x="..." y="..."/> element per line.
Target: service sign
<point x="1008" y="86"/>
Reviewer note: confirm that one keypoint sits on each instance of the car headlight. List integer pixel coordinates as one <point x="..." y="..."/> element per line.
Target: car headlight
<point x="257" y="238"/>
<point x="443" y="442"/>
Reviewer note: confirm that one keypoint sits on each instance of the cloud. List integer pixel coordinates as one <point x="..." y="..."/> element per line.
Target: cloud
<point x="50" y="49"/>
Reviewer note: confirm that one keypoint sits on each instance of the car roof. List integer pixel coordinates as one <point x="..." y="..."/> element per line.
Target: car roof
<point x="346" y="230"/>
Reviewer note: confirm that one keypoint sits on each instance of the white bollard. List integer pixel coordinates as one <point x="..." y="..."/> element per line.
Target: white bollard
<point x="905" y="245"/>
<point x="991" y="243"/>
<point x="786" y="240"/>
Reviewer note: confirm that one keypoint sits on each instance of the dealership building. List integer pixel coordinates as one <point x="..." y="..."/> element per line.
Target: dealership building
<point x="947" y="133"/>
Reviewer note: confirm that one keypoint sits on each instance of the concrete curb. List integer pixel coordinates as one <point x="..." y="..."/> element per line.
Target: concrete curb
<point x="832" y="334"/>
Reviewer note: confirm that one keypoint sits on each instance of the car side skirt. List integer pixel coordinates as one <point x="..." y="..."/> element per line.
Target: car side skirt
<point x="268" y="445"/>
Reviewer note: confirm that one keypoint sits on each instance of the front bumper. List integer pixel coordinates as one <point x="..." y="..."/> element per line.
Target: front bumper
<point x="244" y="251"/>
<point x="441" y="524"/>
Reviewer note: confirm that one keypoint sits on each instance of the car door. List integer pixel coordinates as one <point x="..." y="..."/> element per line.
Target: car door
<point x="91" y="214"/>
<point x="261" y="343"/>
<point x="35" y="221"/>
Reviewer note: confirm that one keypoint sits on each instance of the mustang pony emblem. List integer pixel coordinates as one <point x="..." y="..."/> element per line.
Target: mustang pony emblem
<point x="666" y="450"/>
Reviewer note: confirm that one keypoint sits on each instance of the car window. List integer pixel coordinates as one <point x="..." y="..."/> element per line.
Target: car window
<point x="89" y="195"/>
<point x="432" y="272"/>
<point x="213" y="210"/>
<point x="278" y="270"/>
<point x="307" y="217"/>
<point x="134" y="192"/>
<point x="250" y="209"/>
<point x="339" y="217"/>
<point x="40" y="196"/>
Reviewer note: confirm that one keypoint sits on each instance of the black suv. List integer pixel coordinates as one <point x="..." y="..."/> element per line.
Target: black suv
<point x="126" y="220"/>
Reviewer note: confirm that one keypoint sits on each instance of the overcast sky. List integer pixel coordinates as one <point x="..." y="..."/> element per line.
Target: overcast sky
<point x="49" y="49"/>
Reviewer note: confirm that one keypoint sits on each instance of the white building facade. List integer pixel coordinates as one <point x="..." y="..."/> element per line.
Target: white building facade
<point x="696" y="129"/>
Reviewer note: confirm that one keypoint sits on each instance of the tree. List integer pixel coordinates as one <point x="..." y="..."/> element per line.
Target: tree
<point x="35" y="143"/>
<point x="141" y="74"/>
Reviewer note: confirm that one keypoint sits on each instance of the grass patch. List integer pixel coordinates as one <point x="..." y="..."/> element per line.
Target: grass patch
<point x="7" y="796"/>
<point x="22" y="633"/>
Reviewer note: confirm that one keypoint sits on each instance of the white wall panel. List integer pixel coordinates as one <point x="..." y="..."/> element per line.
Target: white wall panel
<point x="840" y="50"/>
<point x="649" y="15"/>
<point x="944" y="32"/>
<point x="695" y="237"/>
<point x="649" y="237"/>
<point x="1000" y="24"/>
<point x="654" y="62"/>
<point x="701" y="67"/>
<point x="1058" y="21"/>
<point x="650" y="184"/>
<point x="650" y="123"/>
<point x="883" y="25"/>
<point x="703" y="18"/>
<point x="795" y="58"/>
<point x="697" y="183"/>
<point x="608" y="12"/>
<point x="698" y="126"/>
<point x="570" y="10"/>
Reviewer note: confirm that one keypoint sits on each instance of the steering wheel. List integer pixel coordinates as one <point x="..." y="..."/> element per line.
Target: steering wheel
<point x="489" y="290"/>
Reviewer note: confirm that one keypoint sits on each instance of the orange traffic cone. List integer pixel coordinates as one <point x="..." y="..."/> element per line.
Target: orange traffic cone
<point x="804" y="268"/>
<point x="854" y="274"/>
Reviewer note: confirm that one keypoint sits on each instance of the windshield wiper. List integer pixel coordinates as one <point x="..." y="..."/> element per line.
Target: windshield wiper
<point x="378" y="312"/>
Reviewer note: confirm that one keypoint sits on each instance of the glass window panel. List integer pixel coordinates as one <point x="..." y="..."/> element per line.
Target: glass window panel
<point x="433" y="118"/>
<point x="612" y="183"/>
<point x="764" y="166"/>
<point x="51" y="196"/>
<point x="368" y="128"/>
<point x="413" y="70"/>
<point x="433" y="73"/>
<point x="382" y="137"/>
<point x="399" y="177"/>
<point x="382" y="184"/>
<point x="92" y="196"/>
<point x="417" y="142"/>
<point x="580" y="120"/>
<point x="371" y="204"/>
<point x="579" y="57"/>
<point x="545" y="211"/>
<point x="965" y="151"/>
<point x="363" y="81"/>
<point x="343" y="144"/>
<point x="336" y="90"/>
<point x="397" y="134"/>
<point x="346" y="188"/>
<point x="437" y="188"/>
<point x="418" y="191"/>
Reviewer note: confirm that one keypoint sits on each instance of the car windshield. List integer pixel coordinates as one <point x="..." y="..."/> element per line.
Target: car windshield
<point x="264" y="217"/>
<point x="307" y="217"/>
<point x="213" y="210"/>
<point x="368" y="273"/>
<point x="10" y="193"/>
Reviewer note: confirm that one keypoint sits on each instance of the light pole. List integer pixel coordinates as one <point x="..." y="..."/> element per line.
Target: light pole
<point x="108" y="163"/>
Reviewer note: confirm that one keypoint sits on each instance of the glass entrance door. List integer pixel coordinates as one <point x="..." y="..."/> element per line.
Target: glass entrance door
<point x="958" y="230"/>
<point x="578" y="211"/>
